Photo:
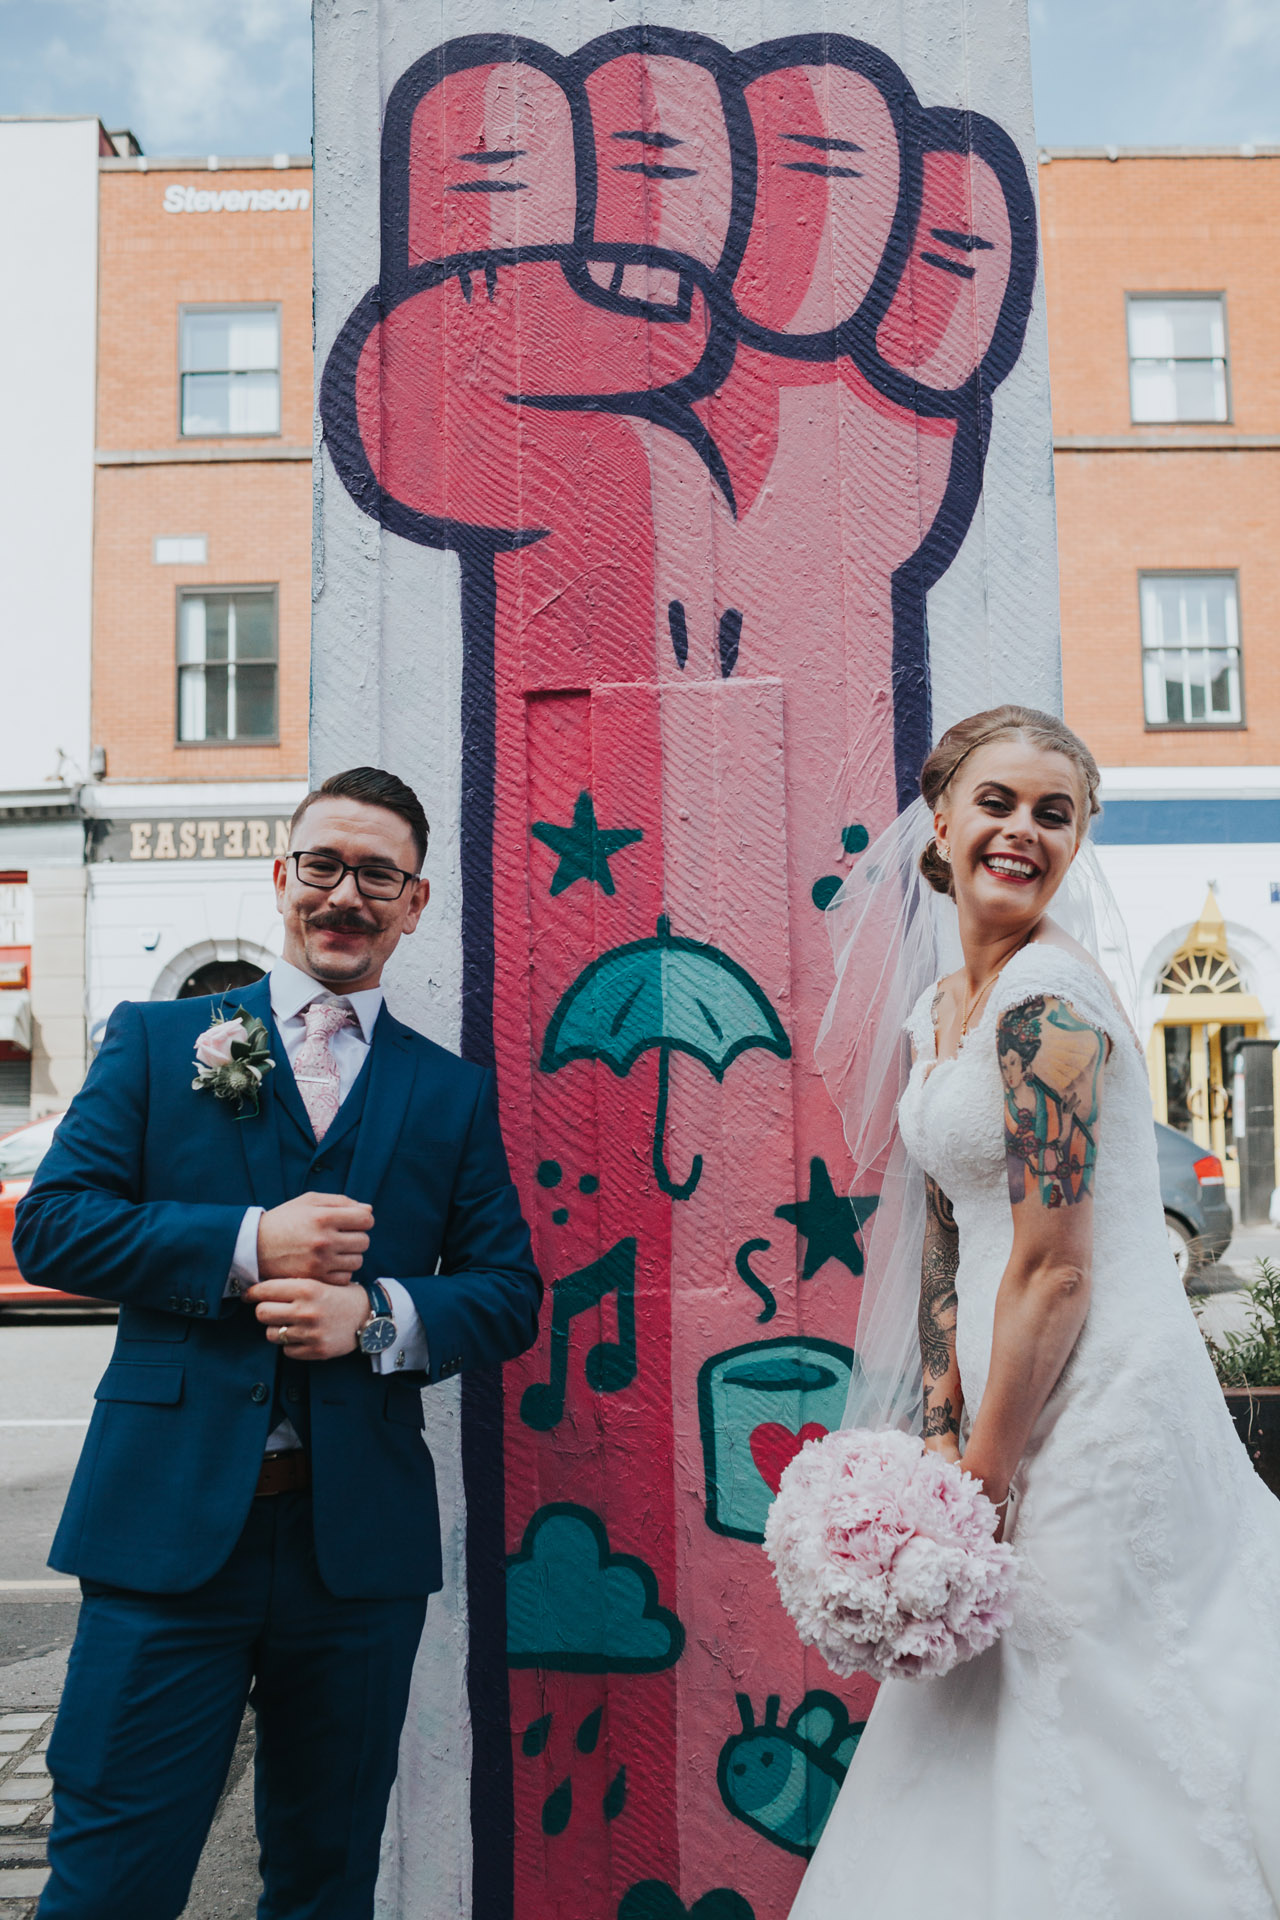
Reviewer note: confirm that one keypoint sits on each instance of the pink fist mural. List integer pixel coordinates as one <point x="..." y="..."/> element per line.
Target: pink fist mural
<point x="689" y="356"/>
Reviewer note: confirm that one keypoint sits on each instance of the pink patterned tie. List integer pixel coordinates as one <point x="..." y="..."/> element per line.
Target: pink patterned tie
<point x="315" y="1069"/>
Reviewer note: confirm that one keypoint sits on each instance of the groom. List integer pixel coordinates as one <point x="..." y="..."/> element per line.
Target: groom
<point x="254" y="1512"/>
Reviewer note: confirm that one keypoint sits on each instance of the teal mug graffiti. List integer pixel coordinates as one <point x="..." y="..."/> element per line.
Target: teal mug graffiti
<point x="757" y="1405"/>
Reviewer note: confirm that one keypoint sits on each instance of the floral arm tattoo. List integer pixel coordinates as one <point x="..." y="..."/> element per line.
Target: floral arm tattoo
<point x="1051" y="1063"/>
<point x="941" y="1258"/>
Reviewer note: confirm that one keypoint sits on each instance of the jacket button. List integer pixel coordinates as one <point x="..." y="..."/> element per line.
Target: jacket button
<point x="259" y="1392"/>
<point x="293" y="1395"/>
<point x="202" y="1307"/>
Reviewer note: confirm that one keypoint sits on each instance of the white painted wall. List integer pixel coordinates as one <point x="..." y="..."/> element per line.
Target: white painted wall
<point x="48" y="332"/>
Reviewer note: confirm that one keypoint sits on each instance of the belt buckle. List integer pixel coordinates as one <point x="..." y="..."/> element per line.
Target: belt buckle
<point x="278" y="1472"/>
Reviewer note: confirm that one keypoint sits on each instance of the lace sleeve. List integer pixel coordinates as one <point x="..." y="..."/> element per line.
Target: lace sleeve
<point x="1042" y="969"/>
<point x="919" y="1024"/>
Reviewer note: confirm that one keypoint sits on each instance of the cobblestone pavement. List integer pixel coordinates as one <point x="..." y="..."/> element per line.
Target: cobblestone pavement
<point x="25" y="1810"/>
<point x="226" y="1885"/>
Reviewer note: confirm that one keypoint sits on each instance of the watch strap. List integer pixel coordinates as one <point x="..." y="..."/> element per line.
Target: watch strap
<point x="379" y="1299"/>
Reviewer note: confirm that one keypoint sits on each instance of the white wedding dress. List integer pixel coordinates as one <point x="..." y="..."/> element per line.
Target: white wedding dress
<point x="1116" y="1755"/>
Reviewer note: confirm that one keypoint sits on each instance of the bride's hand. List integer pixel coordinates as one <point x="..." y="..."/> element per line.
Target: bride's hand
<point x="946" y="1445"/>
<point x="995" y="1488"/>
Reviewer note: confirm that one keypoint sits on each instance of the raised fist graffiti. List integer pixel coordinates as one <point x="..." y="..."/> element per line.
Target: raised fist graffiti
<point x="689" y="355"/>
<point x="695" y="244"/>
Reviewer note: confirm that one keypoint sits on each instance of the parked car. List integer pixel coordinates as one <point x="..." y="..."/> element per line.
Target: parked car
<point x="1196" y="1211"/>
<point x="20" y="1155"/>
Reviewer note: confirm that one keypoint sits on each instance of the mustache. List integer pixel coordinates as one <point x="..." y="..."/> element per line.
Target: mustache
<point x="341" y="920"/>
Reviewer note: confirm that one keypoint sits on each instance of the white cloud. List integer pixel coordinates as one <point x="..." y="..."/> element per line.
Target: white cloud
<point x="1156" y="72"/>
<point x="189" y="76"/>
<point x="199" y="69"/>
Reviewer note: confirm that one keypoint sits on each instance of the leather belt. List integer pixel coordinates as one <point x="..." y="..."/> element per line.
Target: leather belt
<point x="283" y="1472"/>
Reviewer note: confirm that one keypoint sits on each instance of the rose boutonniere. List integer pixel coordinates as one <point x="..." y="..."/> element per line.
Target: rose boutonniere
<point x="231" y="1060"/>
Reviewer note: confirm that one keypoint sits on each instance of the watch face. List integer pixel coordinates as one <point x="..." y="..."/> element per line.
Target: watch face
<point x="378" y="1335"/>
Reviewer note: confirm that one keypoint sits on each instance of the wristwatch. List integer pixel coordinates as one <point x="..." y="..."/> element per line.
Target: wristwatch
<point x="379" y="1330"/>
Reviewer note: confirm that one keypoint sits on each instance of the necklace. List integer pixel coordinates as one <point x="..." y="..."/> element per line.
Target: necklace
<point x="985" y="988"/>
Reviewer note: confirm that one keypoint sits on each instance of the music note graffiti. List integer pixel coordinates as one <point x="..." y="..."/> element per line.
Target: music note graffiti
<point x="610" y="1365"/>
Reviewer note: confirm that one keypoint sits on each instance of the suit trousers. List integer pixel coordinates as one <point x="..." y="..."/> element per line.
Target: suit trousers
<point x="155" y="1693"/>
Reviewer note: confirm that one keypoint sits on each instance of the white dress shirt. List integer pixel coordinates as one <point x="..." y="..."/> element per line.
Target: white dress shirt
<point x="292" y="992"/>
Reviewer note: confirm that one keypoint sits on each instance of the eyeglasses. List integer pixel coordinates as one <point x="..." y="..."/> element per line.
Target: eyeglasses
<point x="326" y="871"/>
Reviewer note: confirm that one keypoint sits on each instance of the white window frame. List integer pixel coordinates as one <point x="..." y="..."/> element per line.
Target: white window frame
<point x="196" y="308"/>
<point x="1154" y="654"/>
<point x="186" y="668"/>
<point x="1132" y="300"/>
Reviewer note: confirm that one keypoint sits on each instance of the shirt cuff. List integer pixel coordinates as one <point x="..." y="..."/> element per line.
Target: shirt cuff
<point x="409" y="1353"/>
<point x="244" y="1259"/>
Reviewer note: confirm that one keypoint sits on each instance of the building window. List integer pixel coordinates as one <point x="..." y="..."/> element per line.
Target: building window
<point x="1177" y="357"/>
<point x="1190" y="650"/>
<point x="227" y="665"/>
<point x="180" y="550"/>
<point x="230" y="363"/>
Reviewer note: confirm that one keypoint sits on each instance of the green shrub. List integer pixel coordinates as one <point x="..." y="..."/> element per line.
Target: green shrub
<point x="1253" y="1359"/>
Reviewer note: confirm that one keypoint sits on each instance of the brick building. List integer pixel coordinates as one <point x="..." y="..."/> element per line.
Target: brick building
<point x="1162" y="280"/>
<point x="201" y="580"/>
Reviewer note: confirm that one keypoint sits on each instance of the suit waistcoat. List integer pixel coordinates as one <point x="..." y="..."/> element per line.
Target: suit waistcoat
<point x="310" y="1168"/>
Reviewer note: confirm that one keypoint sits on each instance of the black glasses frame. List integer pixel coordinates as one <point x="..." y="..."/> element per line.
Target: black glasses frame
<point x="322" y="886"/>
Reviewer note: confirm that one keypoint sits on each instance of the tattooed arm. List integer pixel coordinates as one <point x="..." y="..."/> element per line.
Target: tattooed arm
<point x="942" y="1394"/>
<point x="1051" y="1064"/>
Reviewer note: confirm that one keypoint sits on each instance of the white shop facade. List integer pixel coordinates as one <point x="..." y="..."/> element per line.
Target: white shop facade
<point x="180" y="900"/>
<point x="1193" y="855"/>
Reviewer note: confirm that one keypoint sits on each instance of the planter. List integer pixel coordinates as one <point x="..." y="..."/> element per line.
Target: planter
<point x="1256" y="1412"/>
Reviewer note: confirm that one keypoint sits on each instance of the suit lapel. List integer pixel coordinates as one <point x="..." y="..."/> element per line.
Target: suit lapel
<point x="392" y="1067"/>
<point x="260" y="1133"/>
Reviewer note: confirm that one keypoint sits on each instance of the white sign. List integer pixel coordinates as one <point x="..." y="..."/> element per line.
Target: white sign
<point x="236" y="199"/>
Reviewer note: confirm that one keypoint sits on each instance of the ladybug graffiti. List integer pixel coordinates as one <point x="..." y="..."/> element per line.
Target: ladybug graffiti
<point x="782" y="1781"/>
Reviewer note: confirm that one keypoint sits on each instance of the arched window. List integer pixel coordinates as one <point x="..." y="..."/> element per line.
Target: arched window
<point x="1200" y="971"/>
<point x="1203" y="963"/>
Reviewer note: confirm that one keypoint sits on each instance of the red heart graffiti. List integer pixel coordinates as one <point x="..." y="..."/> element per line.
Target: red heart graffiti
<point x="774" y="1447"/>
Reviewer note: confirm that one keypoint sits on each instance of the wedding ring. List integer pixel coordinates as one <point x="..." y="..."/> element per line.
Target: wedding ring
<point x="284" y="1335"/>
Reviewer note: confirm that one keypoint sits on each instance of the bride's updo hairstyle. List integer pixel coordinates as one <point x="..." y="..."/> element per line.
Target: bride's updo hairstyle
<point x="998" y="723"/>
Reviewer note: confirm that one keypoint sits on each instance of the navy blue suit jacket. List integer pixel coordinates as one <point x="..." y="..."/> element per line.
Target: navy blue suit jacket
<point x="140" y="1199"/>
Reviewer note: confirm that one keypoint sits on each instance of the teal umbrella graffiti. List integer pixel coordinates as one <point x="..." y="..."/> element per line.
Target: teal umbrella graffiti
<point x="668" y="993"/>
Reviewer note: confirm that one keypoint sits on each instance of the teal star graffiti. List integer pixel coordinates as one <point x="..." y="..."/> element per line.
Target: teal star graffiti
<point x="585" y="848"/>
<point x="829" y="1222"/>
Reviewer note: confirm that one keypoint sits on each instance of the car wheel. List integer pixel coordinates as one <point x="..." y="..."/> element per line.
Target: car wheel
<point x="1182" y="1245"/>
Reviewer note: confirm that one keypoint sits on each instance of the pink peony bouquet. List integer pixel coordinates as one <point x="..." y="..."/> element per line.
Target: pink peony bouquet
<point x="885" y="1556"/>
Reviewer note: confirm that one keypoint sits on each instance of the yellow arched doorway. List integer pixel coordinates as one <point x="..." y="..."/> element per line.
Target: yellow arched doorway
<point x="1204" y="1012"/>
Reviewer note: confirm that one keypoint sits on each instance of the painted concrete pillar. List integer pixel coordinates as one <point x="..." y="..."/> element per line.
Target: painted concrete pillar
<point x="687" y="464"/>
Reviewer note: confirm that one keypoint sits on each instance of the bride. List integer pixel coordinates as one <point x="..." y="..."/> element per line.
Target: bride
<point x="1116" y="1755"/>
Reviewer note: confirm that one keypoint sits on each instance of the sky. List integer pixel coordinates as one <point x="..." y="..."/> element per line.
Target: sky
<point x="234" y="76"/>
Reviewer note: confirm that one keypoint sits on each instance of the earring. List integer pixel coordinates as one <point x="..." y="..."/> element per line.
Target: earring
<point x="942" y="852"/>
